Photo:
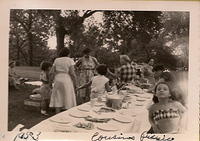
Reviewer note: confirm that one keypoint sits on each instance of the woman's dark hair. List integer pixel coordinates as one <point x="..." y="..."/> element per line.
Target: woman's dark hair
<point x="45" y="65"/>
<point x="86" y="50"/>
<point x="158" y="68"/>
<point x="102" y="69"/>
<point x="64" y="52"/>
<point x="167" y="76"/>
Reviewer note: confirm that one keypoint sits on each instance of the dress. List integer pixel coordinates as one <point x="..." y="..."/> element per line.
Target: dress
<point x="86" y="70"/>
<point x="63" y="94"/>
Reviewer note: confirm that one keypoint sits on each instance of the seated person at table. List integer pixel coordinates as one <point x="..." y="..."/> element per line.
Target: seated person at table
<point x="45" y="88"/>
<point x="99" y="83"/>
<point x="166" y="114"/>
<point x="13" y="77"/>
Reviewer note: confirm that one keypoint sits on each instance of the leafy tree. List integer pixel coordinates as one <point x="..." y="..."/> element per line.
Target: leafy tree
<point x="29" y="32"/>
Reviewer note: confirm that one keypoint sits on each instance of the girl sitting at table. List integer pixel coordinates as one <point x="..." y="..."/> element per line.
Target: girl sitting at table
<point x="45" y="88"/>
<point x="166" y="114"/>
<point x="99" y="83"/>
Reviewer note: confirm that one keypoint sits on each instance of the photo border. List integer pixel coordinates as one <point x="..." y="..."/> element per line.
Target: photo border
<point x="194" y="41"/>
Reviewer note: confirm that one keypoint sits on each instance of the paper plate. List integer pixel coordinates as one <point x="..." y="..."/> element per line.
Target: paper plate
<point x="99" y="104"/>
<point x="131" y="113"/>
<point x="107" y="127"/>
<point x="123" y="119"/>
<point x="61" y="120"/>
<point x="85" y="108"/>
<point x="78" y="114"/>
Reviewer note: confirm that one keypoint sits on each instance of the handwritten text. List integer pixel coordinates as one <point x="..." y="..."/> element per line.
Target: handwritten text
<point x="30" y="136"/>
<point x="145" y="136"/>
<point x="99" y="137"/>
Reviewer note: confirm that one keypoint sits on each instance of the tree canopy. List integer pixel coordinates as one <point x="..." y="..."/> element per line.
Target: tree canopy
<point x="163" y="36"/>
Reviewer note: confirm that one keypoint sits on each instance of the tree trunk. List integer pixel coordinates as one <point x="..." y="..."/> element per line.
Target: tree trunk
<point x="30" y="51"/>
<point x="60" y="37"/>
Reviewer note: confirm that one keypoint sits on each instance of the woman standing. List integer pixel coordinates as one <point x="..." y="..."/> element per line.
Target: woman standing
<point x="63" y="94"/>
<point x="86" y="70"/>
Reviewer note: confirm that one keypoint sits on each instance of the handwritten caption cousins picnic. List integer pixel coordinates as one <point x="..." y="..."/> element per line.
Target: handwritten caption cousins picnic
<point x="30" y="136"/>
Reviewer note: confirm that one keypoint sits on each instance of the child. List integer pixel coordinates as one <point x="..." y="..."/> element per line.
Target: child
<point x="99" y="83"/>
<point x="12" y="75"/>
<point x="166" y="114"/>
<point x="45" y="88"/>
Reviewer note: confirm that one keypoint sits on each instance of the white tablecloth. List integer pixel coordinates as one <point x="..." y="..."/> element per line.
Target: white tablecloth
<point x="137" y="112"/>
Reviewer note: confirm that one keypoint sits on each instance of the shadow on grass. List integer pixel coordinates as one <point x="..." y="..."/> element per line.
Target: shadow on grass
<point x="17" y="113"/>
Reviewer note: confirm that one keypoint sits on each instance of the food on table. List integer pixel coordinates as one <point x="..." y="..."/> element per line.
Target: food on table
<point x="87" y="126"/>
<point x="106" y="110"/>
<point x="92" y="119"/>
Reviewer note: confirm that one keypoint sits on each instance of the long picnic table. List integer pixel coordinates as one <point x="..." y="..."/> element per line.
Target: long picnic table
<point x="131" y="118"/>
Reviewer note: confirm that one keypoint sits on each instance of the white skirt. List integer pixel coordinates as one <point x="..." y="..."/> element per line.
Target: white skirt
<point x="63" y="94"/>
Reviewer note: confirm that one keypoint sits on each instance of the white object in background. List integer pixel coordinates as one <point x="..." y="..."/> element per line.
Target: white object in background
<point x="37" y="83"/>
<point x="18" y="127"/>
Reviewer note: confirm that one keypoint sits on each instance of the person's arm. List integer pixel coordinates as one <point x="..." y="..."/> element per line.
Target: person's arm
<point x="113" y="75"/>
<point x="85" y="85"/>
<point x="107" y="87"/>
<point x="52" y="74"/>
<point x="95" y="61"/>
<point x="72" y="74"/>
<point x="78" y="63"/>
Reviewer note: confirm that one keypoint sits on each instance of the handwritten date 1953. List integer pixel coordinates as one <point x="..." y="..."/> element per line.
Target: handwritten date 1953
<point x="30" y="136"/>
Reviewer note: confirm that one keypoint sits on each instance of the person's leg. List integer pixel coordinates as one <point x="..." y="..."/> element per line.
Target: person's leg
<point x="14" y="83"/>
<point x="58" y="110"/>
<point x="43" y="107"/>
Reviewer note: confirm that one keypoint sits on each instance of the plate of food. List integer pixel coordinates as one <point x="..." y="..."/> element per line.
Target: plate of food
<point x="97" y="119"/>
<point x="106" y="110"/>
<point x="78" y="114"/>
<point x="122" y="119"/>
<point x="108" y="127"/>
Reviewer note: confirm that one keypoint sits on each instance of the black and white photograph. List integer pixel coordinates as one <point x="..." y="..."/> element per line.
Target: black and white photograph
<point x="98" y="71"/>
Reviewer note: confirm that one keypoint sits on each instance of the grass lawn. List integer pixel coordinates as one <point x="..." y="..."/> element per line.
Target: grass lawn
<point x="17" y="114"/>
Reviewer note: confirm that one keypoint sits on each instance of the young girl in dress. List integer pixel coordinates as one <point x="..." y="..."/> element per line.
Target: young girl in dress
<point x="166" y="114"/>
<point x="45" y="88"/>
<point x="99" y="84"/>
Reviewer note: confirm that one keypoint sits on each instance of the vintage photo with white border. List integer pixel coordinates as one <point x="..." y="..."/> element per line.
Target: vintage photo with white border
<point x="104" y="70"/>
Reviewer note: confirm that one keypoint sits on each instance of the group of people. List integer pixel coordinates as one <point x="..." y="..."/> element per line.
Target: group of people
<point x="87" y="79"/>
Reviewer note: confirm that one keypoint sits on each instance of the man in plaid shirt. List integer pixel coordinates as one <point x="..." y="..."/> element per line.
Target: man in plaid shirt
<point x="126" y="71"/>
